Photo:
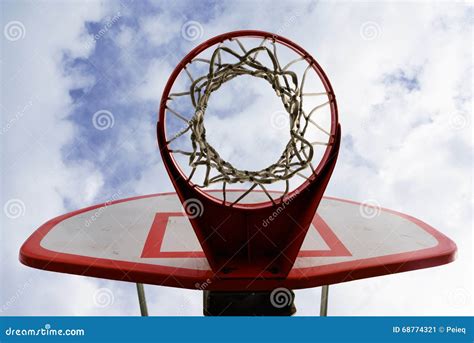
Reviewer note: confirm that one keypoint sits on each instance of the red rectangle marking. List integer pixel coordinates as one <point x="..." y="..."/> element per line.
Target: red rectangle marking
<point x="154" y="241"/>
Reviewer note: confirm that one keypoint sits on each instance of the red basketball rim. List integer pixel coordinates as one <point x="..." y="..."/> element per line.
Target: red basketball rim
<point x="161" y="127"/>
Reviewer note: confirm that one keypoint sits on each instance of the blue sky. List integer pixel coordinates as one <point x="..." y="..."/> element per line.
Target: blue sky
<point x="401" y="73"/>
<point x="117" y="72"/>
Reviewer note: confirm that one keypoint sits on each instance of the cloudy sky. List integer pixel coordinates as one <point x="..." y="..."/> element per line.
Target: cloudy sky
<point x="81" y="84"/>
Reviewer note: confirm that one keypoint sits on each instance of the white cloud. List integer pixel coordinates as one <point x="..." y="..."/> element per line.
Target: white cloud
<point x="160" y="29"/>
<point x="156" y="76"/>
<point x="125" y="37"/>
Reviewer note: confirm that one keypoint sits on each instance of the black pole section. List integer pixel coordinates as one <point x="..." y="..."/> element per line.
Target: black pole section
<point x="217" y="303"/>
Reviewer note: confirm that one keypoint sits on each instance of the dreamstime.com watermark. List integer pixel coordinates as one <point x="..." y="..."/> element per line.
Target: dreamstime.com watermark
<point x="18" y="294"/>
<point x="14" y="30"/>
<point x="98" y="212"/>
<point x="289" y="22"/>
<point x="103" y="120"/>
<point x="193" y="208"/>
<point x="192" y="30"/>
<point x="18" y="115"/>
<point x="280" y="209"/>
<point x="109" y="22"/>
<point x="459" y="297"/>
<point x="45" y="331"/>
<point x="370" y="209"/>
<point x="14" y="208"/>
<point x="280" y="120"/>
<point x="281" y="297"/>
<point x="203" y="285"/>
<point x="103" y="297"/>
<point x="370" y="30"/>
<point x="458" y="121"/>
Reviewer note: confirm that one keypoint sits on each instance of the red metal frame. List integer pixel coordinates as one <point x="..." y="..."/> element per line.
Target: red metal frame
<point x="34" y="255"/>
<point x="243" y="248"/>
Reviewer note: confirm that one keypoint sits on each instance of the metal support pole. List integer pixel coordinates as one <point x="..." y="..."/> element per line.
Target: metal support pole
<point x="324" y="301"/>
<point x="263" y="303"/>
<point x="142" y="300"/>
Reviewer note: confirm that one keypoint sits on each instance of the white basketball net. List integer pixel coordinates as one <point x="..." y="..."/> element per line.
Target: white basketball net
<point x="298" y="152"/>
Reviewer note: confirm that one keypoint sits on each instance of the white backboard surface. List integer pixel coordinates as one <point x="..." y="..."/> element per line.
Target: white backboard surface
<point x="149" y="239"/>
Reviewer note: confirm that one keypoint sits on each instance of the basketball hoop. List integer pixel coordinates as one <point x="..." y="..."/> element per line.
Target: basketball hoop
<point x="254" y="251"/>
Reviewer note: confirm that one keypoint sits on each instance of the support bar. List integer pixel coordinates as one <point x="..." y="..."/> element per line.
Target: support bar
<point x="324" y="301"/>
<point x="142" y="300"/>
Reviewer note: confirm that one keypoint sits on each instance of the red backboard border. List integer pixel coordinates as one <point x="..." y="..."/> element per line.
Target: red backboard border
<point x="34" y="255"/>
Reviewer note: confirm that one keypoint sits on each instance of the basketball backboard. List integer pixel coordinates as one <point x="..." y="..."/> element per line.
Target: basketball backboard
<point x="149" y="239"/>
